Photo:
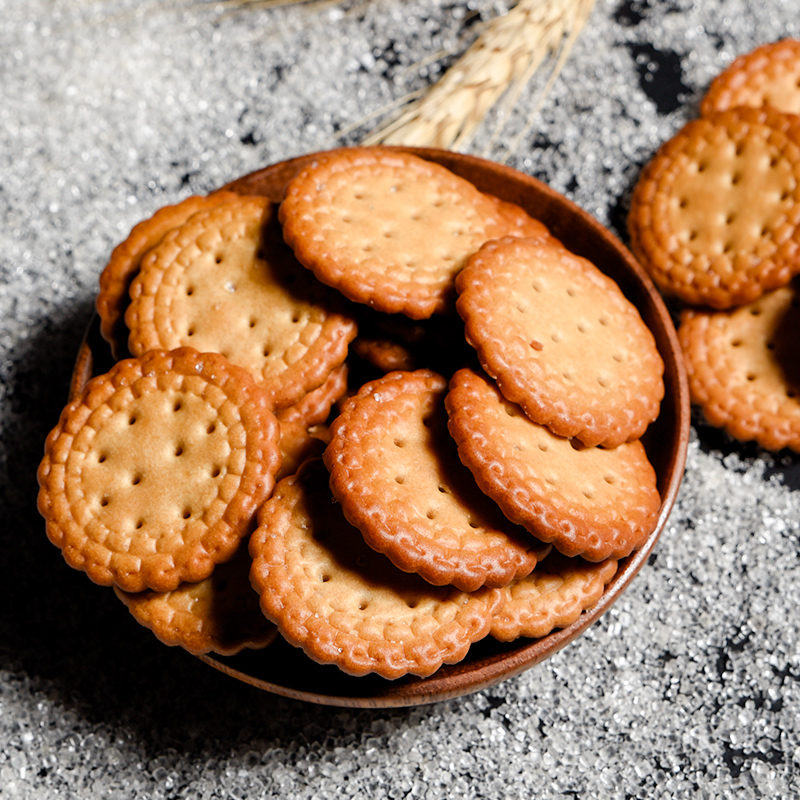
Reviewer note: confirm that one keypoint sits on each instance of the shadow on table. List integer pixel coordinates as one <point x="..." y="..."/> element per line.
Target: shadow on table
<point x="783" y="466"/>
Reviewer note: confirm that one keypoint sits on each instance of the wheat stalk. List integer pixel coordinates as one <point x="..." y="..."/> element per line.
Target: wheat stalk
<point x="500" y="62"/>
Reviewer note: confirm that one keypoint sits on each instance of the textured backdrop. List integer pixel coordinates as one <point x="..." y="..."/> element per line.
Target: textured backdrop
<point x="688" y="687"/>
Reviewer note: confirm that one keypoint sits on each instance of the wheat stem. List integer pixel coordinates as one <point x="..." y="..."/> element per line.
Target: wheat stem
<point x="502" y="60"/>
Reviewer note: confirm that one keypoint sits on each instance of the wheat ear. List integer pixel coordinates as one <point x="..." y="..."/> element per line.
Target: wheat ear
<point x="501" y="60"/>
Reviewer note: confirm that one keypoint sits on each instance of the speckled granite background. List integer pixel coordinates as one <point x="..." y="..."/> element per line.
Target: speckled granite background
<point x="689" y="687"/>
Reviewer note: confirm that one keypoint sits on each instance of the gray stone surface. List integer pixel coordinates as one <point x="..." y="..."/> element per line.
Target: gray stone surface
<point x="688" y="687"/>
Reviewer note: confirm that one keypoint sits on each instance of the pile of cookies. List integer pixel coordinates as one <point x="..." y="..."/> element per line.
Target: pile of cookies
<point x="715" y="219"/>
<point x="385" y="418"/>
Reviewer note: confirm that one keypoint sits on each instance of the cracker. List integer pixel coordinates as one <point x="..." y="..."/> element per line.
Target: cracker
<point x="588" y="501"/>
<point x="715" y="215"/>
<point x="518" y="222"/>
<point x="396" y="473"/>
<point x="561" y="340"/>
<point x="386" y="355"/>
<point x="298" y="443"/>
<point x="345" y="604"/>
<point x="225" y="282"/>
<point x="767" y="76"/>
<point x="743" y="368"/>
<point x="387" y="228"/>
<point x="553" y="596"/>
<point x="220" y="614"/>
<point x="116" y="277"/>
<point x="154" y="473"/>
<point x="316" y="406"/>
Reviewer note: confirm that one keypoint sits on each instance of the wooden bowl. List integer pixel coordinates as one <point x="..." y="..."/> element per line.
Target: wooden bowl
<point x="284" y="670"/>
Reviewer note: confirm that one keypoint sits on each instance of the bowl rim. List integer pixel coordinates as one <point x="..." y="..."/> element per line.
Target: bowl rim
<point x="584" y="235"/>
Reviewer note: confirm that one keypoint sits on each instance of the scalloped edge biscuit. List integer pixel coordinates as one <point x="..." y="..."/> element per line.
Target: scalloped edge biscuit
<point x="123" y="266"/>
<point x="387" y="228"/>
<point x="553" y="596"/>
<point x="97" y="464"/>
<point x="344" y="604"/>
<point x="224" y="281"/>
<point x="396" y="474"/>
<point x="743" y="368"/>
<point x="561" y="340"/>
<point x="315" y="407"/>
<point x="220" y="614"/>
<point x="587" y="501"/>
<point x="769" y="75"/>
<point x="715" y="214"/>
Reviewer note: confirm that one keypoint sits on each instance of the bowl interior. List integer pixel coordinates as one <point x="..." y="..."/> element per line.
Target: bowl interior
<point x="284" y="670"/>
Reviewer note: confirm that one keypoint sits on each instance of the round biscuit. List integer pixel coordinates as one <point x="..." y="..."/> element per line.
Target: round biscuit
<point x="122" y="267"/>
<point x="387" y="228"/>
<point x="715" y="215"/>
<point x="561" y="340"/>
<point x="396" y="474"/>
<point x="224" y="282"/>
<point x="347" y="605"/>
<point x="220" y="614"/>
<point x="766" y="76"/>
<point x="553" y="596"/>
<point x="315" y="407"/>
<point x="588" y="501"/>
<point x="154" y="473"/>
<point x="519" y="222"/>
<point x="743" y="368"/>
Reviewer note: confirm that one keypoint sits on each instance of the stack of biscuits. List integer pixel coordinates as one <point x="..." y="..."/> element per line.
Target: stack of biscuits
<point x="383" y="419"/>
<point x="715" y="219"/>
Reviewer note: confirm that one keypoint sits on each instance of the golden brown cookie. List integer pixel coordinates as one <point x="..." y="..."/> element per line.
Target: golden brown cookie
<point x="315" y="407"/>
<point x="220" y="614"/>
<point x="396" y="473"/>
<point x="715" y="215"/>
<point x="387" y="228"/>
<point x="298" y="443"/>
<point x="553" y="596"/>
<point x="386" y="355"/>
<point x="519" y="222"/>
<point x="345" y="604"/>
<point x="154" y="473"/>
<point x="588" y="501"/>
<point x="224" y="282"/>
<point x="123" y="266"/>
<point x="767" y="76"/>
<point x="744" y="368"/>
<point x="561" y="340"/>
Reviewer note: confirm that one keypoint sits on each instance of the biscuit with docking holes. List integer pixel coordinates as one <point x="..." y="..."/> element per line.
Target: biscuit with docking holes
<point x="219" y="615"/>
<point x="387" y="228"/>
<point x="347" y="605"/>
<point x="224" y="282"/>
<point x="587" y="501"/>
<point x="123" y="266"/>
<point x="154" y="473"/>
<point x="766" y="76"/>
<point x="561" y="340"/>
<point x="396" y="474"/>
<point x="744" y="370"/>
<point x="715" y="215"/>
<point x="553" y="596"/>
